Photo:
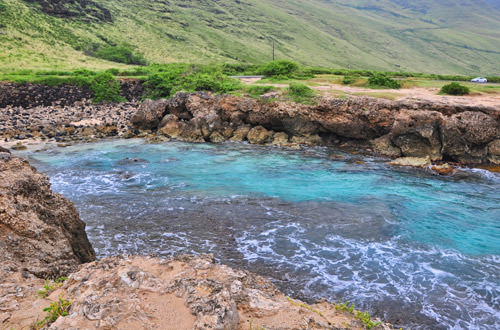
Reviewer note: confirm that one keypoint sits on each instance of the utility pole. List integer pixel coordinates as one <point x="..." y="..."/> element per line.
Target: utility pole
<point x="273" y="50"/>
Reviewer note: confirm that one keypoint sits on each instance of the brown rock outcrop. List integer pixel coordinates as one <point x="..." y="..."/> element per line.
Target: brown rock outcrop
<point x="439" y="131"/>
<point x="149" y="114"/>
<point x="184" y="293"/>
<point x="40" y="231"/>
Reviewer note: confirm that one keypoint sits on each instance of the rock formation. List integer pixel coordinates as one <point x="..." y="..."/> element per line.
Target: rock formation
<point x="40" y="231"/>
<point x="185" y="293"/>
<point x="439" y="131"/>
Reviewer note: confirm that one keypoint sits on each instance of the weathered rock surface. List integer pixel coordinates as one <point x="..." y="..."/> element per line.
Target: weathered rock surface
<point x="149" y="114"/>
<point x="455" y="132"/>
<point x="184" y="293"/>
<point x="412" y="161"/>
<point x="40" y="231"/>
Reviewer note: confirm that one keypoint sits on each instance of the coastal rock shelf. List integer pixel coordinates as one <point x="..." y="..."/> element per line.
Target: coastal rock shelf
<point x="442" y="132"/>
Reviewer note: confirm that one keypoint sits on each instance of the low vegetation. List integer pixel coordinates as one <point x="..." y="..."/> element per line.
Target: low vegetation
<point x="300" y="93"/>
<point x="166" y="80"/>
<point x="363" y="317"/>
<point x="258" y="90"/>
<point x="383" y="81"/>
<point x="59" y="308"/>
<point x="454" y="89"/>
<point x="120" y="54"/>
<point x="50" y="286"/>
<point x="106" y="88"/>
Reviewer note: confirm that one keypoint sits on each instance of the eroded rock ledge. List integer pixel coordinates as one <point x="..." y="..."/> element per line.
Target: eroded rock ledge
<point x="457" y="133"/>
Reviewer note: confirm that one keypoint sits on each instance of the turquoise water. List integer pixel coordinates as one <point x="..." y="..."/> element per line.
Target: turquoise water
<point x="420" y="250"/>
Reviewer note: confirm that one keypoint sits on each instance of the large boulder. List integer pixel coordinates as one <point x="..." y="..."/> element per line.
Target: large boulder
<point x="417" y="133"/>
<point x="259" y="135"/>
<point x="149" y="114"/>
<point x="40" y="231"/>
<point x="466" y="136"/>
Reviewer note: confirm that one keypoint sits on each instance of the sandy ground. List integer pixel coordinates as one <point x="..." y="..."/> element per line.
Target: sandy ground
<point x="405" y="94"/>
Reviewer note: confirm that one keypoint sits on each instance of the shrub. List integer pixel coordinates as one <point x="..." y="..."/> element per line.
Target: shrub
<point x="300" y="93"/>
<point x="256" y="90"/>
<point x="454" y="89"/>
<point x="282" y="68"/>
<point x="84" y="72"/>
<point x="381" y="80"/>
<point x="113" y="71"/>
<point x="172" y="78"/>
<point x="106" y="88"/>
<point x="120" y="54"/>
<point x="347" y="80"/>
<point x="215" y="82"/>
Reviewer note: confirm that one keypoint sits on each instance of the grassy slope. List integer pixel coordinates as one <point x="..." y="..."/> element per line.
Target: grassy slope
<point x="444" y="37"/>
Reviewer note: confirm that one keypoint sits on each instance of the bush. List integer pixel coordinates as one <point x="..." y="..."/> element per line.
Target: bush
<point x="455" y="89"/>
<point x="84" y="72"/>
<point x="347" y="80"/>
<point x="256" y="90"/>
<point x="106" y="88"/>
<point x="171" y="78"/>
<point x="300" y="93"/>
<point x="282" y="68"/>
<point x="381" y="80"/>
<point x="120" y="54"/>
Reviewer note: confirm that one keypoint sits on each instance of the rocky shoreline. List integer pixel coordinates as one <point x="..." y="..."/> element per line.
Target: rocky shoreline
<point x="42" y="237"/>
<point x="440" y="132"/>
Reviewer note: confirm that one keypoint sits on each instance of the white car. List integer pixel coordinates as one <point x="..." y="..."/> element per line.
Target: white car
<point x="479" y="80"/>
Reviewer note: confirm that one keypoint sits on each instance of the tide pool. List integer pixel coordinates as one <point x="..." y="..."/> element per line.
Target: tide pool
<point x="420" y="250"/>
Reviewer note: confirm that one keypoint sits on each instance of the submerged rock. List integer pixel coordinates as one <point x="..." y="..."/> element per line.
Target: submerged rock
<point x="412" y="161"/>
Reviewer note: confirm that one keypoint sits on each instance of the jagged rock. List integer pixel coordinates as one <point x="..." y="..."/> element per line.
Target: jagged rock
<point x="466" y="136"/>
<point x="40" y="231"/>
<point x="383" y="145"/>
<point x="494" y="151"/>
<point x="171" y="127"/>
<point x="412" y="161"/>
<point x="184" y="293"/>
<point x="311" y="140"/>
<point x="444" y="169"/>
<point x="149" y="114"/>
<point x="280" y="139"/>
<point x="259" y="135"/>
<point x="241" y="133"/>
<point x="217" y="137"/>
<point x="417" y="133"/>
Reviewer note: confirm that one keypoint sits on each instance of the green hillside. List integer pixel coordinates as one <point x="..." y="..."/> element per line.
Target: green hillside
<point x="422" y="35"/>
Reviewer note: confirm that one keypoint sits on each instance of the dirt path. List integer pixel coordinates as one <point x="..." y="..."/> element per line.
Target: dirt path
<point x="406" y="94"/>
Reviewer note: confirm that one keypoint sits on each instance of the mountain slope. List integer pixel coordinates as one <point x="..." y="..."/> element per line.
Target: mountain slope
<point x="422" y="35"/>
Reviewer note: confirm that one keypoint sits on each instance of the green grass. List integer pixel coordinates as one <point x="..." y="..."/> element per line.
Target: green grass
<point x="378" y="36"/>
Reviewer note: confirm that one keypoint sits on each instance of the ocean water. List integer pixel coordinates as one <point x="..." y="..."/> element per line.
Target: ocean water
<point x="419" y="250"/>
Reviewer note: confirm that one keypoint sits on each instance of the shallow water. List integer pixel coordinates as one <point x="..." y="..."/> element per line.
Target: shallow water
<point x="420" y="250"/>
